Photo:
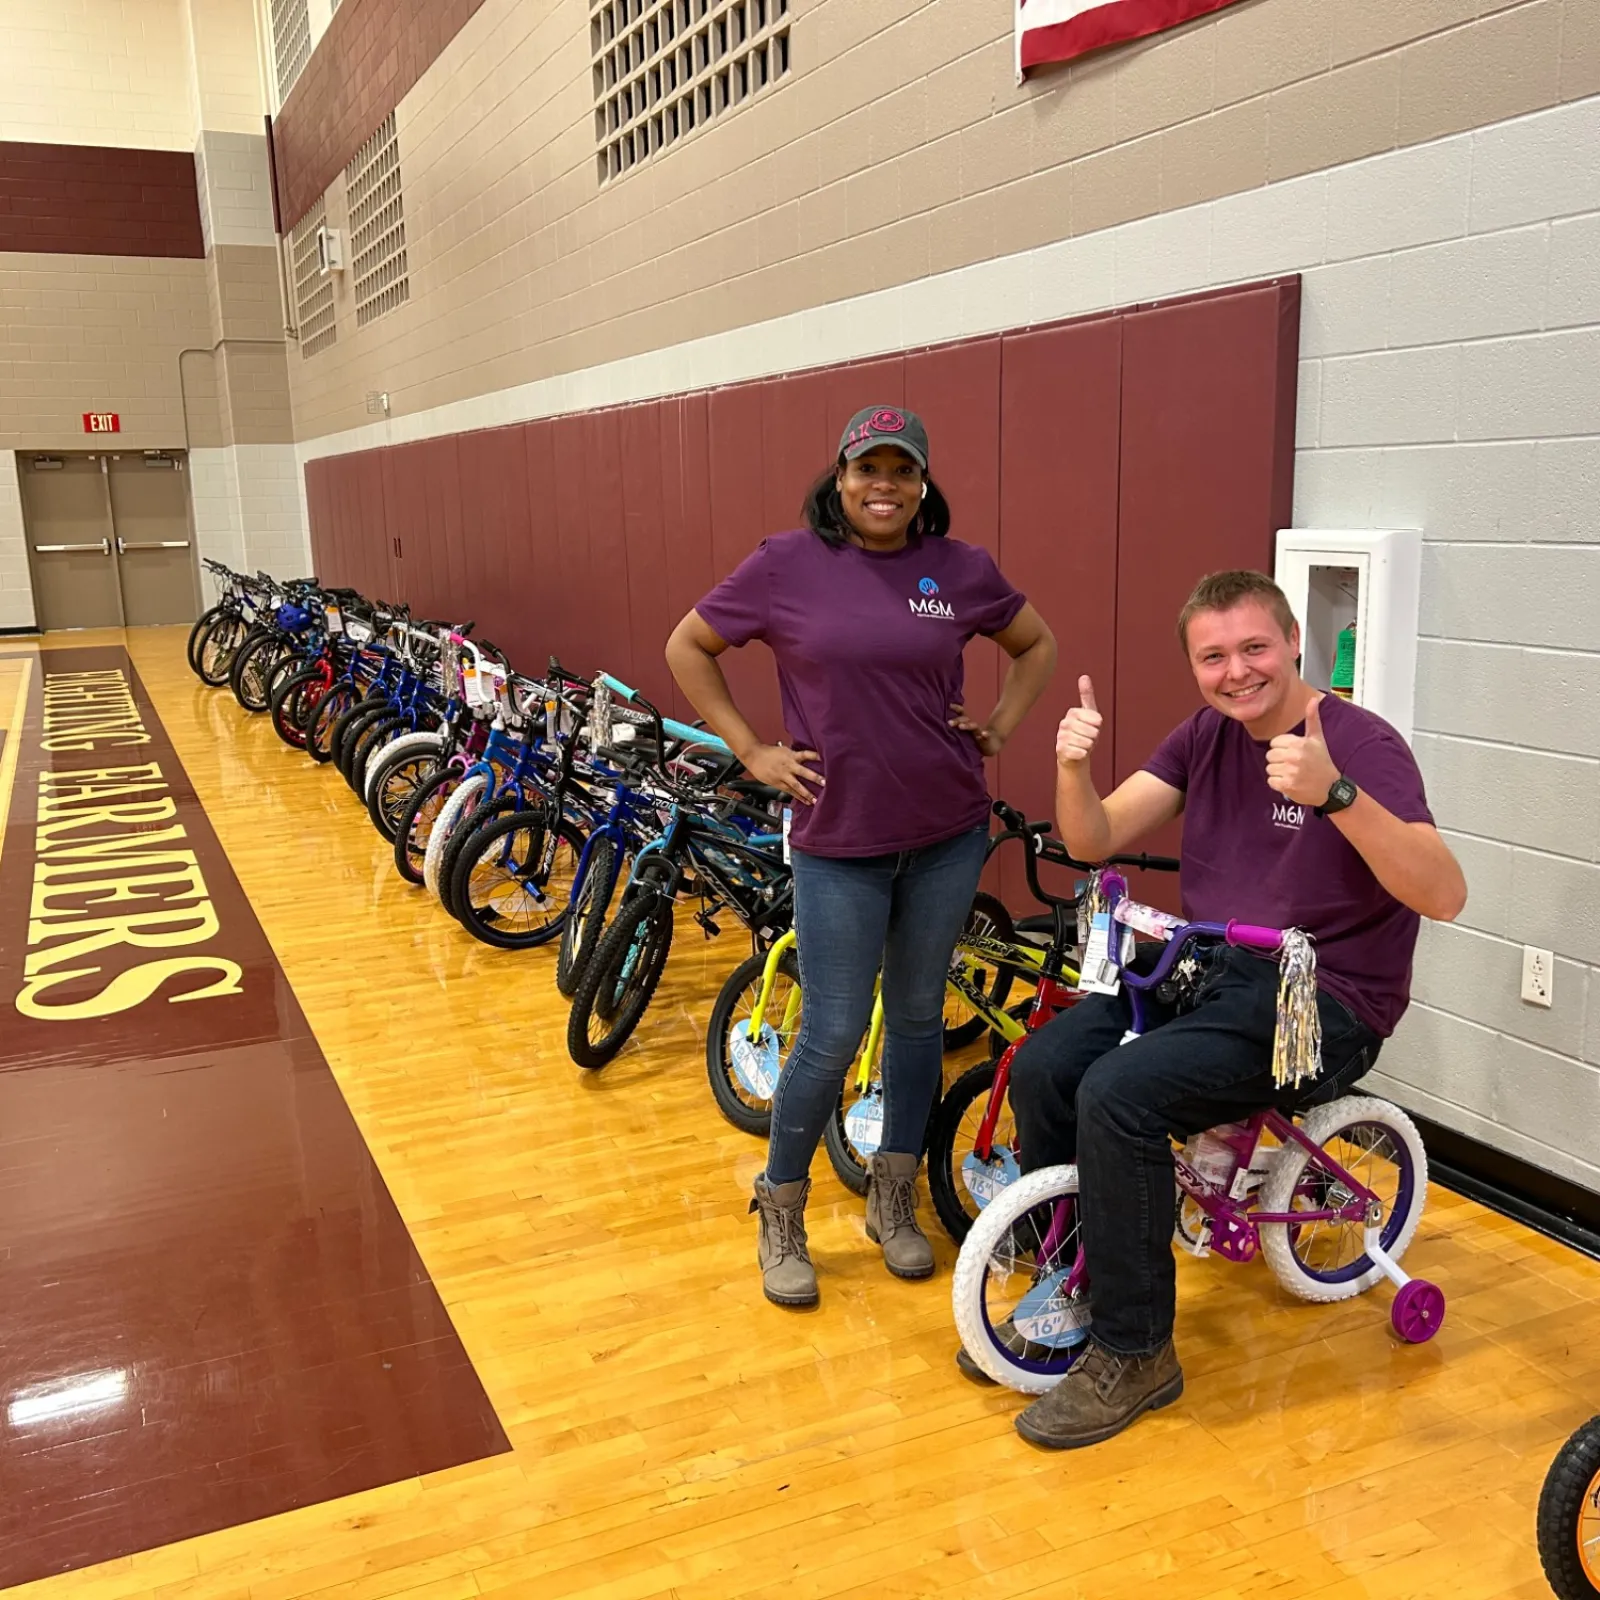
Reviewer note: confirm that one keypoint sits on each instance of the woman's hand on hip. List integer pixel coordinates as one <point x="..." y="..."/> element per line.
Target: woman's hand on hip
<point x="787" y="770"/>
<point x="986" y="739"/>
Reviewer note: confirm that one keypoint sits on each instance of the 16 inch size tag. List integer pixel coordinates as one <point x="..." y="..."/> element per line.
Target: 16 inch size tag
<point x="1098" y="974"/>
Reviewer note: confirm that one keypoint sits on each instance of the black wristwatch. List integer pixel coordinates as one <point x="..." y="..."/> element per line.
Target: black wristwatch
<point x="1341" y="793"/>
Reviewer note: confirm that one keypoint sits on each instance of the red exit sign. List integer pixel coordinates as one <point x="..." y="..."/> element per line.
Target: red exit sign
<point x="102" y="422"/>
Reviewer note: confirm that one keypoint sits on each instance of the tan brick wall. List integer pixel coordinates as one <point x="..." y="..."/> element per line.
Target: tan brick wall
<point x="96" y="333"/>
<point x="227" y="93"/>
<point x="900" y="146"/>
<point x="104" y="72"/>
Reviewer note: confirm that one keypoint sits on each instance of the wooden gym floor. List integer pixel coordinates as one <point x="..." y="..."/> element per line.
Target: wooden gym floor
<point x="673" y="1435"/>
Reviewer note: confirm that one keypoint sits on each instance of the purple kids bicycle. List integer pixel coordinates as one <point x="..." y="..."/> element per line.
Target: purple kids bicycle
<point x="1331" y="1200"/>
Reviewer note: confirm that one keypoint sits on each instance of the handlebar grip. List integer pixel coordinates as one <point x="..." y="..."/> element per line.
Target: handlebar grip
<point x="699" y="736"/>
<point x="1253" y="937"/>
<point x="618" y="687"/>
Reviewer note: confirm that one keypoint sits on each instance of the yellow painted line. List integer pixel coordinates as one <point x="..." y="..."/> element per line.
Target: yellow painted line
<point x="13" y="746"/>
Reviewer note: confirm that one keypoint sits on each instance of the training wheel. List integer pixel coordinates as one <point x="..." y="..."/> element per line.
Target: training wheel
<point x="1418" y="1311"/>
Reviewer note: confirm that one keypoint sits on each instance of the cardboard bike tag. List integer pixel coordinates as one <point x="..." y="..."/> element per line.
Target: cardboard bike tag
<point x="1098" y="973"/>
<point x="788" y="821"/>
<point x="335" y="622"/>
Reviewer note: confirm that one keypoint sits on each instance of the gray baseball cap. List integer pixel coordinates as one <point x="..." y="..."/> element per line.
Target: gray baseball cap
<point x="886" y="425"/>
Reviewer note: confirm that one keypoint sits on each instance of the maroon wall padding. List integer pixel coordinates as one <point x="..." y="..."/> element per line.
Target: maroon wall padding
<point x="1208" y="419"/>
<point x="369" y="59"/>
<point x="1059" y="409"/>
<point x="93" y="200"/>
<point x="1106" y="463"/>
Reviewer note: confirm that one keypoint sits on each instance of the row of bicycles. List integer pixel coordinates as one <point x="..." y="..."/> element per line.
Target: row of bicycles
<point x="566" y="810"/>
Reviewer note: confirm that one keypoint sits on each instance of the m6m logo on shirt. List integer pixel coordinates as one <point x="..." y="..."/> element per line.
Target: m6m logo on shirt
<point x="928" y="606"/>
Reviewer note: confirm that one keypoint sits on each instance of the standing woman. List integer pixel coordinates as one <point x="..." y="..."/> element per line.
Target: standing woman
<point x="867" y="610"/>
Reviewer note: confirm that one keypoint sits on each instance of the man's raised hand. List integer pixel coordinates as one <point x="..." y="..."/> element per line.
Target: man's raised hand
<point x="1080" y="728"/>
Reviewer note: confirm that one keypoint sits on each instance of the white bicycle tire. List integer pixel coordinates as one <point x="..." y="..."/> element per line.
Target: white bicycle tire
<point x="466" y="792"/>
<point x="1277" y="1193"/>
<point x="972" y="1266"/>
<point x="403" y="744"/>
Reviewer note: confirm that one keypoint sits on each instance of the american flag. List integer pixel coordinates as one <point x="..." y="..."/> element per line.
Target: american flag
<point x="1058" y="30"/>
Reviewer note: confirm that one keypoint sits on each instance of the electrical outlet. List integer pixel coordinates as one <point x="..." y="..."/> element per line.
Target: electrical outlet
<point x="1538" y="976"/>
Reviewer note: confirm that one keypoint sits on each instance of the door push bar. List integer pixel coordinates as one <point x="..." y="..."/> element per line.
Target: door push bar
<point x="102" y="545"/>
<point x="153" y="544"/>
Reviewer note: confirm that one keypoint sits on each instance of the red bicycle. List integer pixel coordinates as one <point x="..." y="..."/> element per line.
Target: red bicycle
<point x="972" y="1139"/>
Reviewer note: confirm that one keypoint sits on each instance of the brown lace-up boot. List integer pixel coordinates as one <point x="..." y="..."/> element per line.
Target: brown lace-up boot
<point x="892" y="1216"/>
<point x="787" y="1276"/>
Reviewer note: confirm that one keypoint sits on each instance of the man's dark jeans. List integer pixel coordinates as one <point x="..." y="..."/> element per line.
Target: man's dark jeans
<point x="1079" y="1095"/>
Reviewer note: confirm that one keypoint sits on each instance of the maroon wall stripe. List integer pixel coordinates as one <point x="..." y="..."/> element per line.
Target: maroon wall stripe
<point x="373" y="53"/>
<point x="72" y="199"/>
<point x="1106" y="463"/>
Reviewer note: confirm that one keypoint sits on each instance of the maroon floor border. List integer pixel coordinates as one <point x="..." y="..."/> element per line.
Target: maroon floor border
<point x="212" y="1311"/>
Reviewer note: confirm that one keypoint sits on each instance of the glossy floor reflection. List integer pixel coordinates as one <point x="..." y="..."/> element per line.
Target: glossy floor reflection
<point x="673" y="1435"/>
<point x="213" y="1312"/>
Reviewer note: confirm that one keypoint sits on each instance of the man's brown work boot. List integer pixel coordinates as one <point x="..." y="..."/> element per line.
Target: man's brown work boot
<point x="1100" y="1395"/>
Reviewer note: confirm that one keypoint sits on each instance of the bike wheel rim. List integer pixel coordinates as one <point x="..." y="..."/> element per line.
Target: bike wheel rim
<point x="1335" y="1252"/>
<point x="508" y="878"/>
<point x="783" y="1022"/>
<point x="1588" y="1532"/>
<point x="1063" y="1359"/>
<point x="966" y="1144"/>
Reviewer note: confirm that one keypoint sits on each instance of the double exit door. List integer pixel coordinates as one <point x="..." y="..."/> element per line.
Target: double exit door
<point x="108" y="538"/>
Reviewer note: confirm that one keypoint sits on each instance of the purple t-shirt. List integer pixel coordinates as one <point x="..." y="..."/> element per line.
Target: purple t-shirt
<point x="1252" y="855"/>
<point x="869" y="663"/>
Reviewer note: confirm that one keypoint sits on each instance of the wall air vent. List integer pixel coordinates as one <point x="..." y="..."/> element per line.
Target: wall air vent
<point x="663" y="68"/>
<point x="313" y="288"/>
<point x="377" y="243"/>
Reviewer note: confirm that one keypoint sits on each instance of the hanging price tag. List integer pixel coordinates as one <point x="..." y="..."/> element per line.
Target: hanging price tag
<point x="358" y="631"/>
<point x="335" y="622"/>
<point x="788" y="822"/>
<point x="1099" y="974"/>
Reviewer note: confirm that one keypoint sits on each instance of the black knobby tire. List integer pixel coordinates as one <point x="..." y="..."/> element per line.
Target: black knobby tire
<point x="358" y="711"/>
<point x="843" y="1157"/>
<point x="584" y="928"/>
<point x="330" y="709"/>
<point x="220" y="645"/>
<point x="360" y="748"/>
<point x="989" y="919"/>
<point x="617" y="986"/>
<point x="252" y="667"/>
<point x="1569" y="1489"/>
<point x="951" y="1132"/>
<point x="416" y="823"/>
<point x="546" y="860"/>
<point x="735" y="1001"/>
<point x="847" y="1165"/>
<point x="291" y="662"/>
<point x="465" y="831"/>
<point x="397" y="778"/>
<point x="197" y="635"/>
<point x="345" y="743"/>
<point x="292" y="705"/>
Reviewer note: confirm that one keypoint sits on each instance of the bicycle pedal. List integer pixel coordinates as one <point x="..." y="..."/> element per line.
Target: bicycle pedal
<point x="712" y="930"/>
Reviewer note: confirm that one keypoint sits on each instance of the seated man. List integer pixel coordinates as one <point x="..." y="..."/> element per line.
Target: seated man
<point x="1301" y="810"/>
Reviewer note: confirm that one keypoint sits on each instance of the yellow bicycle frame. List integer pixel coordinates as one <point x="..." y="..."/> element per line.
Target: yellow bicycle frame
<point x="959" y="984"/>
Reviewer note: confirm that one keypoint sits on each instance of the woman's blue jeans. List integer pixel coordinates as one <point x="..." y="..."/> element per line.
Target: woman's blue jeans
<point x="902" y="912"/>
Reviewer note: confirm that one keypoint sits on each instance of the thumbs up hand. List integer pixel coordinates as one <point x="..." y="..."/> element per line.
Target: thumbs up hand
<point x="1080" y="728"/>
<point x="1299" y="766"/>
